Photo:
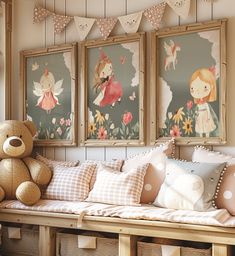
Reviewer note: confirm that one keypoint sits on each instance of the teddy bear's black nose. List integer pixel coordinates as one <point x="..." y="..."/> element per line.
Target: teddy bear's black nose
<point x="15" y="143"/>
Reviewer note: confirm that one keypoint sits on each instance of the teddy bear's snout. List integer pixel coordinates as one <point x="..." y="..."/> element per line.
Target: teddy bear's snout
<point x="14" y="146"/>
<point x="15" y="142"/>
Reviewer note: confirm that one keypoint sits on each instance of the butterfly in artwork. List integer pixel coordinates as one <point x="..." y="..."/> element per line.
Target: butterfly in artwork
<point x="132" y="96"/>
<point x="35" y="66"/>
<point x="123" y="59"/>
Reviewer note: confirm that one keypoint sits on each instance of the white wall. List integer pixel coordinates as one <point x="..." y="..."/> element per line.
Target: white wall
<point x="27" y="35"/>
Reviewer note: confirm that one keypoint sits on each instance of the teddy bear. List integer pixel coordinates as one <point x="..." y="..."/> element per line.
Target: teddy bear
<point x="20" y="175"/>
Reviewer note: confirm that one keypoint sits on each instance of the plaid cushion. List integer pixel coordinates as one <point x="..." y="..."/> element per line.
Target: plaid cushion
<point x="53" y="163"/>
<point x="121" y="188"/>
<point x="70" y="183"/>
<point x="114" y="164"/>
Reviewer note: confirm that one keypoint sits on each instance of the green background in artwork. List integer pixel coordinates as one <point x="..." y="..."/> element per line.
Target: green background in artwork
<point x="123" y="73"/>
<point x="55" y="64"/>
<point x="195" y="53"/>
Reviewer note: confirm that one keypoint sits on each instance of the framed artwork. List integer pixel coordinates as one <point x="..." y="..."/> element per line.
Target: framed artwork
<point x="113" y="91"/>
<point x="49" y="78"/>
<point x="188" y="75"/>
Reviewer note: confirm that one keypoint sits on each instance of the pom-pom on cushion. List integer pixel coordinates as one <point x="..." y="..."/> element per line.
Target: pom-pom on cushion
<point x="121" y="188"/>
<point x="226" y="195"/>
<point x="155" y="173"/>
<point x="70" y="183"/>
<point x="114" y="164"/>
<point x="53" y="163"/>
<point x="190" y="185"/>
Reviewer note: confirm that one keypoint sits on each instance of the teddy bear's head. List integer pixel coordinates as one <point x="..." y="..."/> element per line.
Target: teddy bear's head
<point x="16" y="138"/>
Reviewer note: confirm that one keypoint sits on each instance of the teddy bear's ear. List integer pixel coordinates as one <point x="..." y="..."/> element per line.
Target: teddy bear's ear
<point x="31" y="126"/>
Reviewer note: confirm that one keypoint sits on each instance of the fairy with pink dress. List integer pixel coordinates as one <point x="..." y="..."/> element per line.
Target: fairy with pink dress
<point x="47" y="90"/>
<point x="109" y="90"/>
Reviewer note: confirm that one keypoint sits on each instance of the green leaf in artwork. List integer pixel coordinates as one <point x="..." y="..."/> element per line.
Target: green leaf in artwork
<point x="115" y="131"/>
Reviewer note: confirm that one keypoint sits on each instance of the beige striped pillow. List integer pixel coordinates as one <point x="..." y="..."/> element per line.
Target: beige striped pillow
<point x="53" y="163"/>
<point x="114" y="164"/>
<point x="70" y="183"/>
<point x="120" y="188"/>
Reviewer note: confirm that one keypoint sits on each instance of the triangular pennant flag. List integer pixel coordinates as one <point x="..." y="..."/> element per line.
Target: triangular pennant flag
<point x="180" y="7"/>
<point x="106" y="25"/>
<point x="60" y="22"/>
<point x="40" y="14"/>
<point x="154" y="14"/>
<point x="83" y="26"/>
<point x="130" y="23"/>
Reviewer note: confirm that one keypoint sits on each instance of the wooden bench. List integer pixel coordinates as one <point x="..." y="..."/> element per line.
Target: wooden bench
<point x="221" y="238"/>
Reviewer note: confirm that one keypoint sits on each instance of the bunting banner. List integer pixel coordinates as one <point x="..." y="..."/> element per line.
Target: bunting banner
<point x="60" y="22"/>
<point x="154" y="14"/>
<point x="130" y="23"/>
<point x="180" y="7"/>
<point x="83" y="26"/>
<point x="106" y="26"/>
<point x="40" y="14"/>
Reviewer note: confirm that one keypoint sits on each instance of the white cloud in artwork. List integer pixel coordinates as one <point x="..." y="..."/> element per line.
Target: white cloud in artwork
<point x="165" y="98"/>
<point x="134" y="48"/>
<point x="67" y="61"/>
<point x="213" y="37"/>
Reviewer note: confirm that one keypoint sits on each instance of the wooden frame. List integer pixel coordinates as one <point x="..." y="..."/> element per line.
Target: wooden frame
<point x="49" y="82"/>
<point x="113" y="118"/>
<point x="7" y="55"/>
<point x="191" y="116"/>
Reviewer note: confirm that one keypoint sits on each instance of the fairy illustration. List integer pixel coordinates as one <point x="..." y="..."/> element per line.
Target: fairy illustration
<point x="47" y="90"/>
<point x="203" y="90"/>
<point x="110" y="91"/>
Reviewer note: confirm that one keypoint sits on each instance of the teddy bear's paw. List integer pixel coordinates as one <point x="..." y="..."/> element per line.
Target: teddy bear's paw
<point x="2" y="194"/>
<point x="28" y="193"/>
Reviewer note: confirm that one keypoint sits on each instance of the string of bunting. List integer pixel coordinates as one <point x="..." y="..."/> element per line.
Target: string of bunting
<point x="130" y="23"/>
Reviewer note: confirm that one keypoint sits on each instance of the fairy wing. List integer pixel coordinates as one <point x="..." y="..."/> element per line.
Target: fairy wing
<point x="168" y="49"/>
<point x="37" y="89"/>
<point x="57" y="89"/>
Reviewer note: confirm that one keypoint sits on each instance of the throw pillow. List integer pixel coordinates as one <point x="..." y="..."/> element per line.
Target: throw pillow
<point x="121" y="188"/>
<point x="53" y="163"/>
<point x="70" y="183"/>
<point x="155" y="173"/>
<point x="226" y="195"/>
<point x="114" y="164"/>
<point x="189" y="185"/>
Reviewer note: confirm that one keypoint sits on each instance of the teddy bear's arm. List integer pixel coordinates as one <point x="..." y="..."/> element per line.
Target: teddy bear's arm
<point x="40" y="173"/>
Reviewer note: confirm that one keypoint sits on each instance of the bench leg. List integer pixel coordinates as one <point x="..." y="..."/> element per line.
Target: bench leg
<point x="46" y="241"/>
<point x="127" y="245"/>
<point x="221" y="250"/>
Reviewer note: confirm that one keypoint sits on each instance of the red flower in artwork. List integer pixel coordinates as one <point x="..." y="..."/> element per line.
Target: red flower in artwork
<point x="175" y="131"/>
<point x="127" y="118"/>
<point x="189" y="104"/>
<point x="102" y="133"/>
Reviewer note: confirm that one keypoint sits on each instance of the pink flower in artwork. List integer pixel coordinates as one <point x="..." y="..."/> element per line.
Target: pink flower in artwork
<point x="62" y="121"/>
<point x="102" y="133"/>
<point x="189" y="104"/>
<point x="175" y="131"/>
<point x="127" y="118"/>
<point x="68" y="122"/>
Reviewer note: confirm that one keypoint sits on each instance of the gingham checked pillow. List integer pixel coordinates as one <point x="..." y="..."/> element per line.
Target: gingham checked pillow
<point x="121" y="188"/>
<point x="114" y="164"/>
<point x="53" y="163"/>
<point x="70" y="183"/>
